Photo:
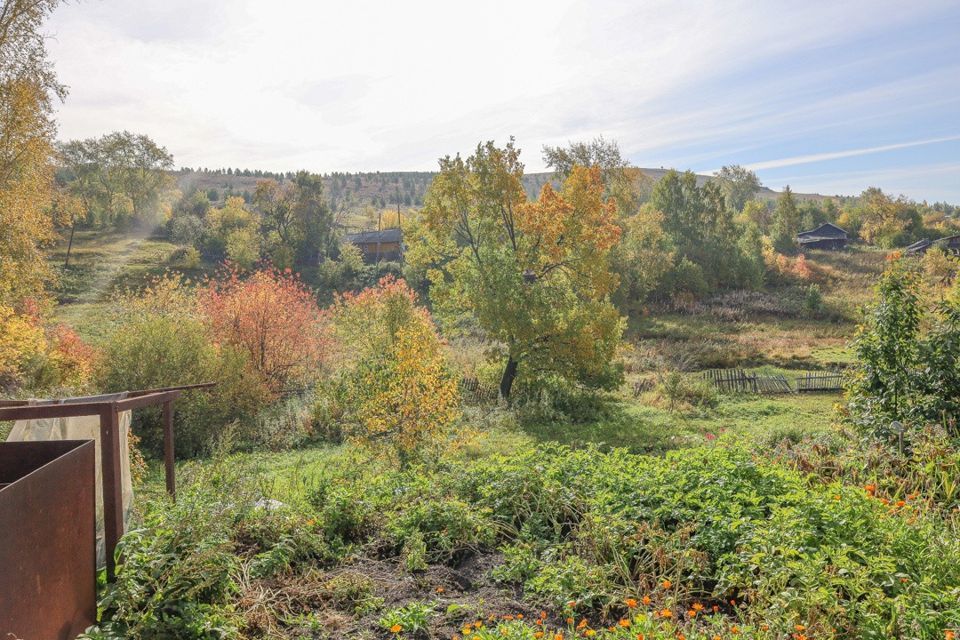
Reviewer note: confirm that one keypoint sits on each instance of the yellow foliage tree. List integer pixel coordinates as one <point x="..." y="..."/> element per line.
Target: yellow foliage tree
<point x="398" y="392"/>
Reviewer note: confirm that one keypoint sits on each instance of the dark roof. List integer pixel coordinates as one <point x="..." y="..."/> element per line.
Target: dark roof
<point x="825" y="231"/>
<point x="372" y="237"/>
<point x="919" y="245"/>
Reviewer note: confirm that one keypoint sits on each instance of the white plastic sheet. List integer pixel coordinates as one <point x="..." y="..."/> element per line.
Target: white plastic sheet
<point x="84" y="428"/>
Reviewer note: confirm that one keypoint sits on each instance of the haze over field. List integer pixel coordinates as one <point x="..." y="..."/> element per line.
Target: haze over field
<point x="827" y="97"/>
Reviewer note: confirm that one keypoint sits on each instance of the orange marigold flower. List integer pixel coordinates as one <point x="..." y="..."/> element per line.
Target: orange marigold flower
<point x="734" y="629"/>
<point x="901" y="503"/>
<point x="870" y="488"/>
<point x="582" y="624"/>
<point x="697" y="606"/>
<point x="538" y="635"/>
<point x="396" y="628"/>
<point x="691" y="613"/>
<point x="667" y="584"/>
<point x="666" y="613"/>
<point x="949" y="635"/>
<point x="624" y="622"/>
<point x="646" y="600"/>
<point x="800" y="627"/>
<point x="631" y="603"/>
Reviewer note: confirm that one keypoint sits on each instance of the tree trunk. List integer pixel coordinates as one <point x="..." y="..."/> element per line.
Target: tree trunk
<point x="73" y="227"/>
<point x="509" y="375"/>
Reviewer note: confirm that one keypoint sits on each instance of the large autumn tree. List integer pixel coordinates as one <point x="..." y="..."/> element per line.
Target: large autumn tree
<point x="28" y="91"/>
<point x="534" y="274"/>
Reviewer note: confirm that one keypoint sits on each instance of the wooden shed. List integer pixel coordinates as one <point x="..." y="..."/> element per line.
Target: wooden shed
<point x="826" y="236"/>
<point x="379" y="246"/>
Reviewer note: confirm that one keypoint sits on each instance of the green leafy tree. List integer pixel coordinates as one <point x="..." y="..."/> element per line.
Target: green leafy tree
<point x="534" y="275"/>
<point x="907" y="357"/>
<point x="702" y="230"/>
<point x="121" y="177"/>
<point x="314" y="219"/>
<point x="739" y="185"/>
<point x="622" y="182"/>
<point x="786" y="222"/>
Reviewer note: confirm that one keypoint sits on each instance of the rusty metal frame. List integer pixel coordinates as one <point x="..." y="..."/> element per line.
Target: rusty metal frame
<point x="109" y="412"/>
<point x="47" y="498"/>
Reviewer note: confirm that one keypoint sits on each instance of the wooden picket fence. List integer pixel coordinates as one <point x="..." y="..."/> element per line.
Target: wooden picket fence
<point x="732" y="380"/>
<point x="474" y="392"/>
<point x="774" y="384"/>
<point x="820" y="381"/>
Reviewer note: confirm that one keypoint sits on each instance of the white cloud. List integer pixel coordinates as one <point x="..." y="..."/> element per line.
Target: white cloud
<point x="367" y="85"/>
<point x="848" y="153"/>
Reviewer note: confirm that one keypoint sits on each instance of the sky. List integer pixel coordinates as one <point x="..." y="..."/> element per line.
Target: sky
<point x="828" y="97"/>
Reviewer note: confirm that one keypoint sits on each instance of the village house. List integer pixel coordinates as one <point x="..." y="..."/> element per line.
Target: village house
<point x="826" y="236"/>
<point x="379" y="246"/>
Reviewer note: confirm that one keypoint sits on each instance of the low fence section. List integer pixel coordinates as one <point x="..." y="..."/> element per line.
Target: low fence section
<point x="820" y="381"/>
<point x="741" y="381"/>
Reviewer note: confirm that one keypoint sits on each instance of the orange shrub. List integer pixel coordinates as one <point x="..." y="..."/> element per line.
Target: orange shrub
<point x="274" y="319"/>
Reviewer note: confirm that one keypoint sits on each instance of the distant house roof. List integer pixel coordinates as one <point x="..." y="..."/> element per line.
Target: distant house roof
<point x="373" y="237"/>
<point x="919" y="245"/>
<point x="825" y="231"/>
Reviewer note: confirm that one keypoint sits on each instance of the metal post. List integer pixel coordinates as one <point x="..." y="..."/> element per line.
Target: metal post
<point x="112" y="491"/>
<point x="168" y="449"/>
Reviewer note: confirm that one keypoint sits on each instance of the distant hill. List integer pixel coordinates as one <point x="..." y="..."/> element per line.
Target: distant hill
<point x="380" y="189"/>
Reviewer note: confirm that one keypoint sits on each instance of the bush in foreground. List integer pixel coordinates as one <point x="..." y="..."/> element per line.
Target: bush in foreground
<point x="701" y="543"/>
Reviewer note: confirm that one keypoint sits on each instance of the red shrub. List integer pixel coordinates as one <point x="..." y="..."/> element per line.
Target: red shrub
<point x="274" y="318"/>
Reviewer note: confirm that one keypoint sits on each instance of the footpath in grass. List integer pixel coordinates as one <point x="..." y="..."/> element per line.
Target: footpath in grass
<point x="101" y="263"/>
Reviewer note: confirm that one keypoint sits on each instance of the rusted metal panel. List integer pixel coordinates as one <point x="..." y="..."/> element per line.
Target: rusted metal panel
<point x="47" y="539"/>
